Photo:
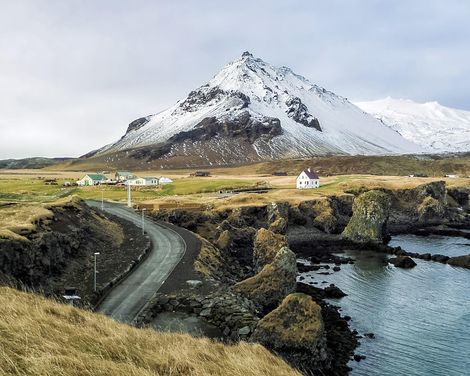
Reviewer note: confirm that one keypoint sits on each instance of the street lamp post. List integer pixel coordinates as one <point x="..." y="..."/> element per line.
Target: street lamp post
<point x="143" y="221"/>
<point x="95" y="272"/>
<point x="129" y="197"/>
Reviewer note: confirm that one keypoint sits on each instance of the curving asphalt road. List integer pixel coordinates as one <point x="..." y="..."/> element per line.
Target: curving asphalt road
<point x="127" y="299"/>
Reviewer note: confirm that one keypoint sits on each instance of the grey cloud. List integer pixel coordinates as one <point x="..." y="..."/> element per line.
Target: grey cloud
<point x="74" y="73"/>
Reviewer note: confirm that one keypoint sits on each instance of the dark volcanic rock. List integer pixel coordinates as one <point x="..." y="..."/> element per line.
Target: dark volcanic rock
<point x="243" y="126"/>
<point x="440" y="258"/>
<point x="334" y="292"/>
<point x="136" y="124"/>
<point x="299" y="112"/>
<point x="463" y="261"/>
<point x="402" y="262"/>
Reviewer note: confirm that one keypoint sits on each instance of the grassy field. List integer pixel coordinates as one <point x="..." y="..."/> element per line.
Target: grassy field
<point x="23" y="193"/>
<point x="42" y="338"/>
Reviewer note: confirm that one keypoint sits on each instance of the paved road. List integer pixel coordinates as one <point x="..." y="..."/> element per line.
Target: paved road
<point x="127" y="299"/>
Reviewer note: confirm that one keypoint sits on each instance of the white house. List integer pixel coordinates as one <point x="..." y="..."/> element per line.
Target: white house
<point x="164" y="180"/>
<point x="92" y="179"/>
<point x="122" y="176"/>
<point x="146" y="180"/>
<point x="308" y="179"/>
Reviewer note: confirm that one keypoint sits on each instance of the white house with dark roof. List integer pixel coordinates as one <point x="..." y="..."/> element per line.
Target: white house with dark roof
<point x="308" y="179"/>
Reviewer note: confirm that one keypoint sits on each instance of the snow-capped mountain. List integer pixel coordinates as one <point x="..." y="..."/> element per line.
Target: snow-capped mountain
<point x="252" y="111"/>
<point x="432" y="126"/>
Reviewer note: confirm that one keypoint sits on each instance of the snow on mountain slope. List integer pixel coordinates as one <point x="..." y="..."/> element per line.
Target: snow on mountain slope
<point x="432" y="126"/>
<point x="273" y="111"/>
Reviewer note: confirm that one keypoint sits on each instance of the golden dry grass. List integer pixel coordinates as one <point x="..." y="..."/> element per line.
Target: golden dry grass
<point x="21" y="219"/>
<point x="39" y="337"/>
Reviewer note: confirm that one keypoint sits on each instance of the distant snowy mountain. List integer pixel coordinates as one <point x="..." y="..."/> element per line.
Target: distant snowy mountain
<point x="432" y="126"/>
<point x="253" y="111"/>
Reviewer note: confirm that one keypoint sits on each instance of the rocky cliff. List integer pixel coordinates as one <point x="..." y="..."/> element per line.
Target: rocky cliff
<point x="59" y="252"/>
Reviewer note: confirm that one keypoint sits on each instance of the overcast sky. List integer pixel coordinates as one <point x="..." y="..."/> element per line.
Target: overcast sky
<point x="74" y="73"/>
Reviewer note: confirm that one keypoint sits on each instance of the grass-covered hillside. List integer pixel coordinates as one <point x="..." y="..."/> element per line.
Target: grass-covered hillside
<point x="39" y="337"/>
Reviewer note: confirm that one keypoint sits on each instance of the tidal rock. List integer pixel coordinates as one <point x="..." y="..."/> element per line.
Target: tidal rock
<point x="440" y="258"/>
<point x="334" y="292"/>
<point x="463" y="261"/>
<point x="370" y="215"/>
<point x="402" y="262"/>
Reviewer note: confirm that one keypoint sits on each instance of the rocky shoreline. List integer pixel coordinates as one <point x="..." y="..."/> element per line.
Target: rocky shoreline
<point x="250" y="258"/>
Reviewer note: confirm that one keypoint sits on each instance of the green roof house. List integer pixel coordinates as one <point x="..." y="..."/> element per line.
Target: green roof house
<point x="92" y="179"/>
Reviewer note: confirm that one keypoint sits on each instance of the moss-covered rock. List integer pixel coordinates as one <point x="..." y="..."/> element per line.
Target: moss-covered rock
<point x="277" y="217"/>
<point x="266" y="246"/>
<point x="430" y="209"/>
<point x="370" y="214"/>
<point x="275" y="281"/>
<point x="295" y="330"/>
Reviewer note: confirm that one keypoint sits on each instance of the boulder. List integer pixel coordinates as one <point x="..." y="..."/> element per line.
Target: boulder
<point x="266" y="246"/>
<point x="402" y="262"/>
<point x="430" y="209"/>
<point x="462" y="261"/>
<point x="334" y="292"/>
<point x="295" y="330"/>
<point x="370" y="214"/>
<point x="440" y="258"/>
<point x="275" y="281"/>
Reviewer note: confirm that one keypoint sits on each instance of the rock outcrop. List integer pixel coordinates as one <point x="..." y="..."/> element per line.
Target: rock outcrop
<point x="462" y="261"/>
<point x="275" y="280"/>
<point x="404" y="262"/>
<point x="266" y="246"/>
<point x="370" y="214"/>
<point x="295" y="330"/>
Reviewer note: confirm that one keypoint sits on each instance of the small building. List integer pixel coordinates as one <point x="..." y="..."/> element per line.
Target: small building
<point x="145" y="180"/>
<point x="279" y="173"/>
<point x="121" y="176"/>
<point x="308" y="179"/>
<point x="164" y="180"/>
<point x="201" y="174"/>
<point x="92" y="179"/>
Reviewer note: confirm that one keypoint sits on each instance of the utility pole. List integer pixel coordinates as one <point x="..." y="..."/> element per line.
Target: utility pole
<point x="143" y="221"/>
<point x="95" y="272"/>
<point x="129" y="198"/>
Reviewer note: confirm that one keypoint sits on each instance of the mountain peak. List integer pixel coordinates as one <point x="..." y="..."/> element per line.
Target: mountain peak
<point x="252" y="111"/>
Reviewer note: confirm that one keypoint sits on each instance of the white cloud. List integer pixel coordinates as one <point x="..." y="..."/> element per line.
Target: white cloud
<point x="74" y="73"/>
